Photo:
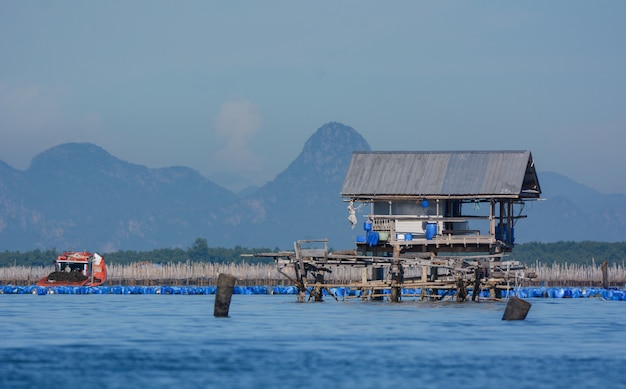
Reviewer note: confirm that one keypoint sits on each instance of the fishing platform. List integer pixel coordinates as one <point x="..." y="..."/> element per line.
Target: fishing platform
<point x="437" y="221"/>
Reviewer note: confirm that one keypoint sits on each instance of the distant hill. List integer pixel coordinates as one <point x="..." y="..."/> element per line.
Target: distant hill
<point x="77" y="195"/>
<point x="573" y="212"/>
<point x="303" y="201"/>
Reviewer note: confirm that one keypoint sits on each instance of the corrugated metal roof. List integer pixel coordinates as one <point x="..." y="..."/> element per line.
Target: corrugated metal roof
<point x="432" y="173"/>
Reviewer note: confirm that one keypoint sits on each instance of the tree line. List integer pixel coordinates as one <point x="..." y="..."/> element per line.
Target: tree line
<point x="585" y="253"/>
<point x="199" y="251"/>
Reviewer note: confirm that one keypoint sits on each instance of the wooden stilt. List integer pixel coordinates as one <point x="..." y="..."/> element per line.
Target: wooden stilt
<point x="317" y="289"/>
<point x="461" y="290"/>
<point x="377" y="275"/>
<point x="476" y="290"/>
<point x="397" y="277"/>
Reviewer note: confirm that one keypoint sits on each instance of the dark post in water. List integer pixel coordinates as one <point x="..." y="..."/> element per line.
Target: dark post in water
<point x="516" y="309"/>
<point x="225" y="285"/>
<point x="605" y="274"/>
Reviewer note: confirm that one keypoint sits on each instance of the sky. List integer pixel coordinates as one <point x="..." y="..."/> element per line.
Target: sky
<point x="233" y="89"/>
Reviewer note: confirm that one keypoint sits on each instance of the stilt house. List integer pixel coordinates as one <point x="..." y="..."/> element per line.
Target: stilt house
<point x="428" y="201"/>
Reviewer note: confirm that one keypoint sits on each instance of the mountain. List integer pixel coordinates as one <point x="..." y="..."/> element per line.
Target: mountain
<point x="303" y="201"/>
<point x="573" y="212"/>
<point x="77" y="195"/>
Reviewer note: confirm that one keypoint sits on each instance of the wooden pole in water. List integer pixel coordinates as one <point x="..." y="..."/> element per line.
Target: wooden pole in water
<point x="476" y="290"/>
<point x="378" y="275"/>
<point x="516" y="309"/>
<point x="397" y="277"/>
<point x="317" y="289"/>
<point x="605" y="275"/>
<point x="225" y="285"/>
<point x="461" y="290"/>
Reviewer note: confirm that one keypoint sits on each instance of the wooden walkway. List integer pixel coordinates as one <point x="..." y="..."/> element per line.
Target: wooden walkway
<point x="384" y="276"/>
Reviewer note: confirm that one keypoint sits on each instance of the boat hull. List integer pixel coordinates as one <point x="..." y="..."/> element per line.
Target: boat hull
<point x="44" y="281"/>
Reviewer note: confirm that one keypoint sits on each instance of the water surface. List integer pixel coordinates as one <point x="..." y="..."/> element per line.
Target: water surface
<point x="158" y="341"/>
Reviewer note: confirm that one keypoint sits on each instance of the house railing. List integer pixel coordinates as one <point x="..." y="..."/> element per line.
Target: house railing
<point x="412" y="229"/>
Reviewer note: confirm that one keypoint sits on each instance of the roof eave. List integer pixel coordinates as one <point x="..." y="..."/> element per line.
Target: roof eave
<point x="390" y="197"/>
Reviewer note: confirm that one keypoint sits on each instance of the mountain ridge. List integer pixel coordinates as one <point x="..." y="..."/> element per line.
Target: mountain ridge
<point x="78" y="195"/>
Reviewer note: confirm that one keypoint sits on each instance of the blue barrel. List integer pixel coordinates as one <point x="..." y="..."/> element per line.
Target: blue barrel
<point x="431" y="230"/>
<point x="367" y="226"/>
<point x="372" y="238"/>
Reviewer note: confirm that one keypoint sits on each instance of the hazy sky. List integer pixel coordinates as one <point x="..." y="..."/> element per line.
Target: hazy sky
<point x="233" y="89"/>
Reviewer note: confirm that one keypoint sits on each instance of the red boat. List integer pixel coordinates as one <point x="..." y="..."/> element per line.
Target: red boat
<point x="76" y="268"/>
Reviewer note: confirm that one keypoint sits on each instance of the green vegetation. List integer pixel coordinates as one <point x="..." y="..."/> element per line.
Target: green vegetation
<point x="584" y="253"/>
<point x="30" y="258"/>
<point x="198" y="252"/>
<point x="559" y="252"/>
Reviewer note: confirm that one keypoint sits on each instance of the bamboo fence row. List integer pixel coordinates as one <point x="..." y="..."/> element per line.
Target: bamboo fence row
<point x="198" y="273"/>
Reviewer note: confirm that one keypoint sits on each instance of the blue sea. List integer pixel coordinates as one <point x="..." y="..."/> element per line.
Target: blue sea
<point x="271" y="341"/>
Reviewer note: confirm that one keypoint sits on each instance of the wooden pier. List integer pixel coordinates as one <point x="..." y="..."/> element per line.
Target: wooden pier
<point x="386" y="277"/>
